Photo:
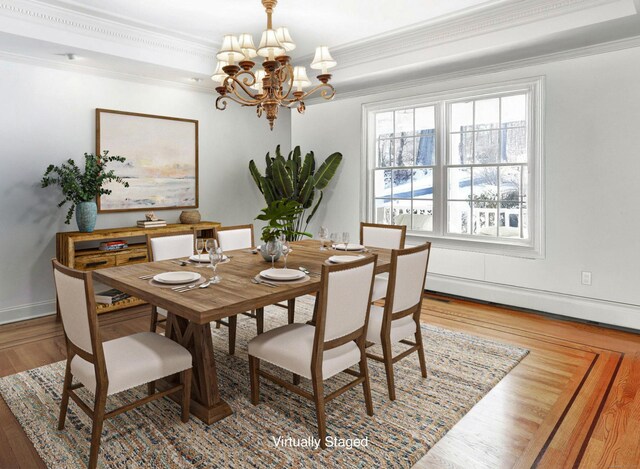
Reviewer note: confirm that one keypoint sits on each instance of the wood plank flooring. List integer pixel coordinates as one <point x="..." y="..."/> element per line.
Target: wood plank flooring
<point x="574" y="401"/>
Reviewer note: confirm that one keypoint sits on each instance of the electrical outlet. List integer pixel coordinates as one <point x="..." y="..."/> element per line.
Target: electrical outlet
<point x="586" y="278"/>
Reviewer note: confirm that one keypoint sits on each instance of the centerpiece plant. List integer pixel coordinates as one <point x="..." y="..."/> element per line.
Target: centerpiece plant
<point x="81" y="188"/>
<point x="280" y="217"/>
<point x="295" y="179"/>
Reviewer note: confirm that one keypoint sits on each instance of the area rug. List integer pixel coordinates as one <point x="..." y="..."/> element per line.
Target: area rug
<point x="280" y="431"/>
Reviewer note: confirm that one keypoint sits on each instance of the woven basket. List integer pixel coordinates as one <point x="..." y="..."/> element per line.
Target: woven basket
<point x="190" y="217"/>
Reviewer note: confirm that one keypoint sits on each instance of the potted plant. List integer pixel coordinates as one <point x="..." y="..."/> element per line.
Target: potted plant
<point x="81" y="188"/>
<point x="280" y="216"/>
<point x="295" y="179"/>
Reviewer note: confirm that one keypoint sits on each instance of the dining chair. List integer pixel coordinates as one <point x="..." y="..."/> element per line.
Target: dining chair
<point x="107" y="368"/>
<point x="334" y="344"/>
<point x="400" y="317"/>
<point x="377" y="235"/>
<point x="241" y="237"/>
<point x="163" y="246"/>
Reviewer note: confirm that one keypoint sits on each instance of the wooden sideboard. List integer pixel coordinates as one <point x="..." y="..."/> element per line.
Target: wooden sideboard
<point x="79" y="250"/>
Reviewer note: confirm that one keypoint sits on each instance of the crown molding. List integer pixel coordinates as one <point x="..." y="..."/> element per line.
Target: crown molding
<point x="596" y="49"/>
<point x="68" y="20"/>
<point x="102" y="72"/>
<point x="475" y="23"/>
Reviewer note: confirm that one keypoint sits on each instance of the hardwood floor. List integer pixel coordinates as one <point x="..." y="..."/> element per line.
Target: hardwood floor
<point x="574" y="401"/>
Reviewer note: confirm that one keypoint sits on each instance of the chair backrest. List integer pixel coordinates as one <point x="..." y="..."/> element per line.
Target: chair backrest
<point x="76" y="302"/>
<point x="164" y="246"/>
<point x="407" y="278"/>
<point x="382" y="236"/>
<point x="344" y="299"/>
<point x="235" y="237"/>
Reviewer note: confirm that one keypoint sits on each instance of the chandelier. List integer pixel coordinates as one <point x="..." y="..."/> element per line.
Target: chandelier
<point x="278" y="83"/>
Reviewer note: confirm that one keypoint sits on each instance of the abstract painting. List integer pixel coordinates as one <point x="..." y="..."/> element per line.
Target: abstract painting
<point x="161" y="164"/>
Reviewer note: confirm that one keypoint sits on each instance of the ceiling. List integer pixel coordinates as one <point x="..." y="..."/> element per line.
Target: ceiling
<point x="374" y="41"/>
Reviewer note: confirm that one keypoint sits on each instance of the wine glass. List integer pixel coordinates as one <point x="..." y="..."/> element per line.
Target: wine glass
<point x="323" y="234"/>
<point x="284" y="242"/>
<point x="272" y="250"/>
<point x="333" y="239"/>
<point x="215" y="257"/>
<point x="210" y="245"/>
<point x="345" y="240"/>
<point x="200" y="243"/>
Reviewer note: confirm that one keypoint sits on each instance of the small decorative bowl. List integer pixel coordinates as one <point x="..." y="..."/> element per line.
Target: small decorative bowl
<point x="190" y="217"/>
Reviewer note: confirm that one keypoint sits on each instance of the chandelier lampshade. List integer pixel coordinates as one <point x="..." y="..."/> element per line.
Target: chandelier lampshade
<point x="277" y="83"/>
<point x="230" y="51"/>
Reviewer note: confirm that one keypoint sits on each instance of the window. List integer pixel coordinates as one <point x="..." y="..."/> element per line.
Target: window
<point x="463" y="167"/>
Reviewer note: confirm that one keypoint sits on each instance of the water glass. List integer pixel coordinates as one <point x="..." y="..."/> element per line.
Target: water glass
<point x="345" y="240"/>
<point x="200" y="243"/>
<point x="215" y="257"/>
<point x="272" y="250"/>
<point x="334" y="239"/>
<point x="284" y="244"/>
<point x="323" y="234"/>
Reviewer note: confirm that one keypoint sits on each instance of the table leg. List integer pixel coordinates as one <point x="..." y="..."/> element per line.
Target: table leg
<point x="205" y="397"/>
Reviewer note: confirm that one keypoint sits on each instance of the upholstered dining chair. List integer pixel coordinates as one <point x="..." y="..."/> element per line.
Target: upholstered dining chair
<point x="386" y="237"/>
<point x="400" y="317"/>
<point x="334" y="344"/>
<point x="163" y="246"/>
<point x="107" y="368"/>
<point x="241" y="237"/>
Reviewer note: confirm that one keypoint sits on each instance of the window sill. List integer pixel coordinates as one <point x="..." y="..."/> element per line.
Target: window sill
<point x="507" y="248"/>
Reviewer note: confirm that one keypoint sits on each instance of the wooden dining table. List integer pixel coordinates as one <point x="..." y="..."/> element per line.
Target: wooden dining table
<point x="191" y="312"/>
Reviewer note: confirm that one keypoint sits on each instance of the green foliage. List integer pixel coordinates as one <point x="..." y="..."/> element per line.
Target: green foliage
<point x="295" y="179"/>
<point x="78" y="186"/>
<point x="488" y="199"/>
<point x="280" y="216"/>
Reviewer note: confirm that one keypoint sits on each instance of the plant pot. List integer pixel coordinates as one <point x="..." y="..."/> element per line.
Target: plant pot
<point x="86" y="214"/>
<point x="267" y="257"/>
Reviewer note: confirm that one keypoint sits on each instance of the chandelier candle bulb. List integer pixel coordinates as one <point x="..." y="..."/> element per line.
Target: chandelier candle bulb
<point x="278" y="83"/>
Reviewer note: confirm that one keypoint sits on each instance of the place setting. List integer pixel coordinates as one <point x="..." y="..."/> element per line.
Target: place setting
<point x="285" y="275"/>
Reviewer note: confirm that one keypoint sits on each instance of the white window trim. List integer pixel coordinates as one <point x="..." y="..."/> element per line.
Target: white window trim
<point x="534" y="247"/>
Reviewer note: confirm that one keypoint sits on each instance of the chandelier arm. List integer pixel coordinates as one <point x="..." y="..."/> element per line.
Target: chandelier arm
<point x="235" y="99"/>
<point x="231" y="88"/>
<point x="285" y="96"/>
<point x="328" y="93"/>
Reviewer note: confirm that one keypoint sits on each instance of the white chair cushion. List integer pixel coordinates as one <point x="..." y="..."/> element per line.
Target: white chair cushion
<point x="380" y="283"/>
<point x="290" y="347"/>
<point x="134" y="360"/>
<point x="400" y="328"/>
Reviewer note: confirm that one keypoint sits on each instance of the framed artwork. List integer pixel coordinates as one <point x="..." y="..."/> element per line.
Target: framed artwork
<point x="161" y="164"/>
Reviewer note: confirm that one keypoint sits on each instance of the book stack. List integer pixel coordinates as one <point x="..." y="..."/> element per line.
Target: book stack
<point x="110" y="297"/>
<point x="113" y="245"/>
<point x="151" y="223"/>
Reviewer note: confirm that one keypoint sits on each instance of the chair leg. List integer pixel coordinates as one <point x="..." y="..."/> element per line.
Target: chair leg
<point x="96" y="431"/>
<point x="254" y="367"/>
<point x="423" y="363"/>
<point x="218" y="324"/>
<point x="291" y="310"/>
<point x="388" y="366"/>
<point x="318" y="396"/>
<point x="151" y="388"/>
<point x="260" y="320"/>
<point x="154" y="319"/>
<point x="186" y="376"/>
<point x="366" y="387"/>
<point x="296" y="379"/>
<point x="233" y="323"/>
<point x="68" y="377"/>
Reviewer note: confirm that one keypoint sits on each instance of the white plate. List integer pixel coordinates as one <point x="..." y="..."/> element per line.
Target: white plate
<point x="259" y="248"/>
<point x="344" y="259"/>
<point x="282" y="274"/>
<point x="349" y="247"/>
<point x="176" y="278"/>
<point x="204" y="258"/>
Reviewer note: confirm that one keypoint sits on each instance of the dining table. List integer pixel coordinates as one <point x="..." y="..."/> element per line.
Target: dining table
<point x="190" y="313"/>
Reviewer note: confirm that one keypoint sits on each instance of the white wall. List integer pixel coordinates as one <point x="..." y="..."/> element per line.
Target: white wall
<point x="592" y="161"/>
<point x="47" y="116"/>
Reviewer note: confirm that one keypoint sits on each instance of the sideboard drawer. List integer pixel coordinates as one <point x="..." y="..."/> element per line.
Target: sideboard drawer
<point x="131" y="257"/>
<point x="94" y="262"/>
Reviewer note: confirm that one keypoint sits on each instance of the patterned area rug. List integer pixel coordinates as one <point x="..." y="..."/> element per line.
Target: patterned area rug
<point x="277" y="432"/>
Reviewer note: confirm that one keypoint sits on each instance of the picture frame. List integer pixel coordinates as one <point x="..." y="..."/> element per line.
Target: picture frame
<point x="160" y="151"/>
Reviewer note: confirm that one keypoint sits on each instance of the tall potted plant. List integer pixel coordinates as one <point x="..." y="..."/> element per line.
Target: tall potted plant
<point x="81" y="188"/>
<point x="295" y="178"/>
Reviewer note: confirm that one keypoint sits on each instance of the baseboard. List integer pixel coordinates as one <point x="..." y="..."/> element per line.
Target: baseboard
<point x="590" y="309"/>
<point x="28" y="311"/>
